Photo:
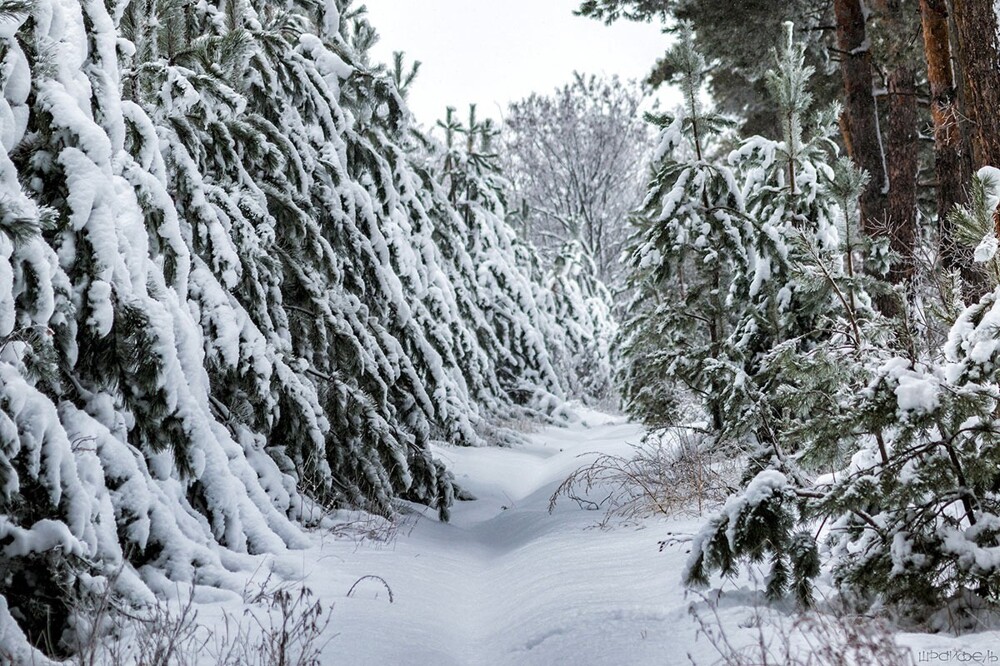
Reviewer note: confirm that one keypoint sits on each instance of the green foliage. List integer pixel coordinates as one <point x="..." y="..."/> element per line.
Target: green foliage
<point x="860" y="433"/>
<point x="687" y="244"/>
<point x="788" y="87"/>
<point x="401" y="76"/>
<point x="234" y="281"/>
<point x="975" y="225"/>
<point x="759" y="314"/>
<point x="756" y="527"/>
<point x="735" y="35"/>
<point x="918" y="483"/>
<point x="736" y="261"/>
<point x="12" y="10"/>
<point x="581" y="310"/>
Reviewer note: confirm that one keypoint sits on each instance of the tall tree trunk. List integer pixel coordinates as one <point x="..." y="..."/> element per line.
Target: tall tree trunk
<point x="975" y="43"/>
<point x="951" y="167"/>
<point x="979" y="53"/>
<point x="902" y="157"/>
<point x="859" y="122"/>
<point x="952" y="164"/>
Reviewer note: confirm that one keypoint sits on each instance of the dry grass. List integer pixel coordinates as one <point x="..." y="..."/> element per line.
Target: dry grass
<point x="808" y="639"/>
<point x="281" y="625"/>
<point x="109" y="632"/>
<point x="670" y="472"/>
<point x="381" y="580"/>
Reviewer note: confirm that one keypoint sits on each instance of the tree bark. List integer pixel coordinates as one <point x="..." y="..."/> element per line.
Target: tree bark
<point x="902" y="157"/>
<point x="951" y="165"/>
<point x="859" y="122"/>
<point x="979" y="53"/>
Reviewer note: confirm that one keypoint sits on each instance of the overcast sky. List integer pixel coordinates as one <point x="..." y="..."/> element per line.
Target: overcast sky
<point x="496" y="51"/>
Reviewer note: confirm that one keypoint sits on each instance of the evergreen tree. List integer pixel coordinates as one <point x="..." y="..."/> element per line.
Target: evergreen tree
<point x="882" y="448"/>
<point x="737" y="35"/>
<point x="106" y="400"/>
<point x="798" y="349"/>
<point x="798" y="286"/>
<point x="470" y="175"/>
<point x="912" y="509"/>
<point x="688" y="245"/>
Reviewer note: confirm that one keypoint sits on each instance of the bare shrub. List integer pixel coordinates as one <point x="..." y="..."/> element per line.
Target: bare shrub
<point x="510" y="430"/>
<point x="517" y="422"/>
<point x="669" y="472"/>
<point x="163" y="637"/>
<point x="318" y="512"/>
<point x="964" y="611"/>
<point x="108" y="631"/>
<point x="283" y="625"/>
<point x="809" y="639"/>
<point x="359" y="526"/>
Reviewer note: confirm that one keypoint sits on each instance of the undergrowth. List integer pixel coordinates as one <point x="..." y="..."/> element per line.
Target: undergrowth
<point x="670" y="472"/>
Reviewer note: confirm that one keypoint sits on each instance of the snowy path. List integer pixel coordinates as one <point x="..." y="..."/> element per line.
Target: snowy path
<point x="506" y="582"/>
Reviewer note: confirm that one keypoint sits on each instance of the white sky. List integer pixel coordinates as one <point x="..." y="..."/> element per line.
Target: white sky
<point x="492" y="52"/>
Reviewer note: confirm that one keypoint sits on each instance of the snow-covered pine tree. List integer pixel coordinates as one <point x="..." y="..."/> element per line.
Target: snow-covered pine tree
<point x="505" y="293"/>
<point x="896" y="461"/>
<point x="198" y="125"/>
<point x="801" y="342"/>
<point x="688" y="245"/>
<point x="398" y="362"/>
<point x="476" y="344"/>
<point x="914" y="511"/>
<point x="109" y="441"/>
<point x="271" y="362"/>
<point x="797" y="286"/>
<point x="975" y="225"/>
<point x="581" y="306"/>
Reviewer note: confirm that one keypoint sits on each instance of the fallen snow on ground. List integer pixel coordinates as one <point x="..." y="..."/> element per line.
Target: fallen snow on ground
<point x="506" y="582"/>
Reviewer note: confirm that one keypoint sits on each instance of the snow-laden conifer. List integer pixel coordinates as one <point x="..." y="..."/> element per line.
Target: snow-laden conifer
<point x="580" y="305"/>
<point x="798" y="348"/>
<point x="688" y="245"/>
<point x="470" y="174"/>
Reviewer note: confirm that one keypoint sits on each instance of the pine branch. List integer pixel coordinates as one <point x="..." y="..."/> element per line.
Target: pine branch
<point x="15" y="10"/>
